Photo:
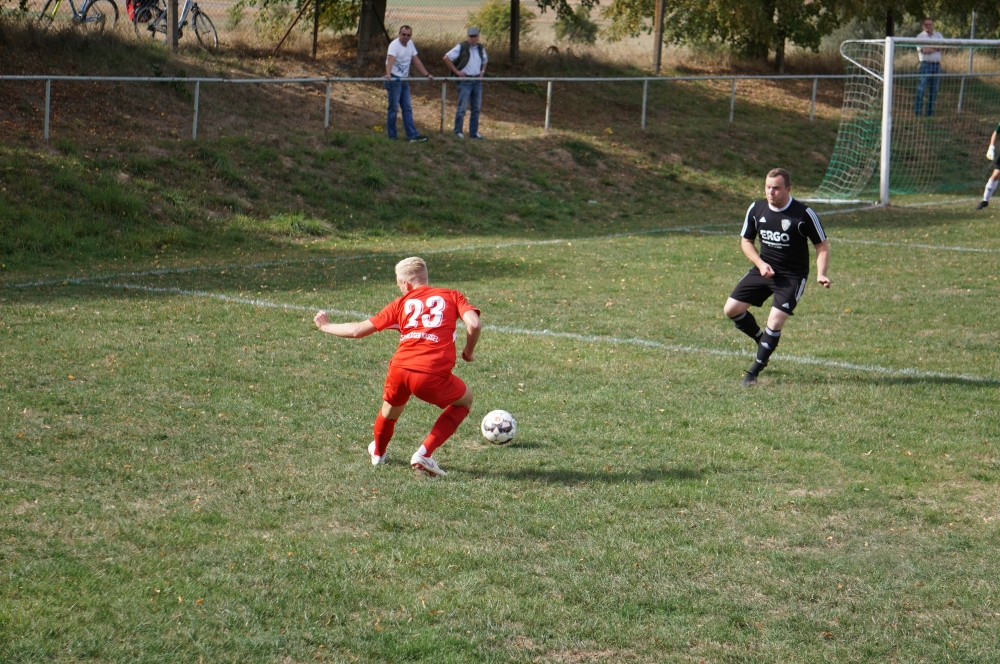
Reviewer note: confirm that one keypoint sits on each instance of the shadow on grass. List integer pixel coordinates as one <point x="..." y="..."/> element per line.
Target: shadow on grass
<point x="561" y="476"/>
<point x="847" y="376"/>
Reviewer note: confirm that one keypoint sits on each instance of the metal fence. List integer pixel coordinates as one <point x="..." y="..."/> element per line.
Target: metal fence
<point x="330" y="82"/>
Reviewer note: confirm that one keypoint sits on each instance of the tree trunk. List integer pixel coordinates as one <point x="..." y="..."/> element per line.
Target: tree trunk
<point x="371" y="30"/>
<point x="779" y="53"/>
<point x="890" y="25"/>
<point x="515" y="30"/>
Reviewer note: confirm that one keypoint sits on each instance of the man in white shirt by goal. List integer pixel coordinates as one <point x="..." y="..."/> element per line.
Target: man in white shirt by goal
<point x="930" y="67"/>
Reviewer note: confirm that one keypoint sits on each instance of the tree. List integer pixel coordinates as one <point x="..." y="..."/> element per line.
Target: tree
<point x="753" y="27"/>
<point x="493" y="21"/>
<point x="336" y="15"/>
<point x="563" y="9"/>
<point x="577" y="28"/>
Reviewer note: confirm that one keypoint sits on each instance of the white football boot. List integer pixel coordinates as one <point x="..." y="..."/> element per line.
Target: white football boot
<point x="426" y="464"/>
<point x="376" y="459"/>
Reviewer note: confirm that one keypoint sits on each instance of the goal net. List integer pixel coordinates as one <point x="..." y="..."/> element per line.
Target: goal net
<point x="930" y="149"/>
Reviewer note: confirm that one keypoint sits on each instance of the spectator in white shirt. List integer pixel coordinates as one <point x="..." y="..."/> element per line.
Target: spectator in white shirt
<point x="930" y="68"/>
<point x="402" y="51"/>
<point x="468" y="60"/>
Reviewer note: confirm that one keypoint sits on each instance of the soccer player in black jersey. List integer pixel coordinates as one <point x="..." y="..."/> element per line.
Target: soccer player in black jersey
<point x="785" y="227"/>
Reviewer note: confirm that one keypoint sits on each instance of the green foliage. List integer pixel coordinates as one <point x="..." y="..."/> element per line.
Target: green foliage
<point x="235" y="15"/>
<point x="493" y="21"/>
<point x="563" y="8"/>
<point x="751" y="26"/>
<point x="273" y="16"/>
<point x="577" y="28"/>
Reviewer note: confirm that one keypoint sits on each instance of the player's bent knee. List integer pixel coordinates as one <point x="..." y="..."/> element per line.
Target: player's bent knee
<point x="734" y="308"/>
<point x="466" y="400"/>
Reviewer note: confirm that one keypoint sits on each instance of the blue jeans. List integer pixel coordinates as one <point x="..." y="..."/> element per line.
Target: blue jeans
<point x="469" y="91"/>
<point x="927" y="80"/>
<point x="399" y="97"/>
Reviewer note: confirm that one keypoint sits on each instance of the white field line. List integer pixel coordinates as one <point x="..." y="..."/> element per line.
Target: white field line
<point x="234" y="300"/>
<point x="339" y="259"/>
<point x="703" y="230"/>
<point x="914" y="245"/>
<point x="629" y="341"/>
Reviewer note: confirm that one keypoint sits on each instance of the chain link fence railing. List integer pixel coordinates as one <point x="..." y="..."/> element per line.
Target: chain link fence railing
<point x="194" y="85"/>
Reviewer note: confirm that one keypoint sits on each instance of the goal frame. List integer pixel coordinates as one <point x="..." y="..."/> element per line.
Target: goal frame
<point x="890" y="44"/>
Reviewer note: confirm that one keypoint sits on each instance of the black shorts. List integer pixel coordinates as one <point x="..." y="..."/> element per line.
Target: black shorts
<point x="755" y="289"/>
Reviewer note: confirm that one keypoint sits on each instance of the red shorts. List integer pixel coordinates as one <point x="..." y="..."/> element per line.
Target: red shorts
<point x="442" y="390"/>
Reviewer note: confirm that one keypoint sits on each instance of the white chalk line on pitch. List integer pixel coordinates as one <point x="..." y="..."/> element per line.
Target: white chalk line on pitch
<point x="629" y="341"/>
<point x="340" y="259"/>
<point x="702" y="230"/>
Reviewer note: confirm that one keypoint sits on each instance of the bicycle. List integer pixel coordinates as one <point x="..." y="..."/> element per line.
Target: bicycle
<point x="93" y="15"/>
<point x="151" y="21"/>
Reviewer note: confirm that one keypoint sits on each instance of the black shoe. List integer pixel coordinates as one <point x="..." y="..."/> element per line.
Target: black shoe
<point x="749" y="379"/>
<point x="982" y="204"/>
<point x="418" y="139"/>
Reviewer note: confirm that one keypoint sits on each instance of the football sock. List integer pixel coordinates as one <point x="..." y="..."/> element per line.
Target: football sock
<point x="447" y="423"/>
<point x="383" y="433"/>
<point x="768" y="342"/>
<point x="991" y="186"/>
<point x="747" y="324"/>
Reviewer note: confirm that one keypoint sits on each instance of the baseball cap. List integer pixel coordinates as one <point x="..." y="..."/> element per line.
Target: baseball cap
<point x="472" y="32"/>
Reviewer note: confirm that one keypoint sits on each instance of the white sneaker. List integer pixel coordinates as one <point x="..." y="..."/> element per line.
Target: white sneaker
<point x="426" y="464"/>
<point x="376" y="459"/>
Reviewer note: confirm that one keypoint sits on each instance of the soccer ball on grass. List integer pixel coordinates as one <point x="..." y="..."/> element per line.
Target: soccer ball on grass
<point x="499" y="427"/>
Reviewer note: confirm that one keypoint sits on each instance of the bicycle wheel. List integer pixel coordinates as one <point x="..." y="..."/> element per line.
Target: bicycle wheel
<point x="145" y="20"/>
<point x="99" y="16"/>
<point x="205" y="31"/>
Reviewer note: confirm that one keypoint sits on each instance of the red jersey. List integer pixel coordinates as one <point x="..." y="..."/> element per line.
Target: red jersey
<point x="426" y="318"/>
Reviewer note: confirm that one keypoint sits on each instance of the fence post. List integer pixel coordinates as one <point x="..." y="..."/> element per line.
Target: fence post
<point x="48" y="105"/>
<point x="444" y="97"/>
<point x="548" y="106"/>
<point x="732" y="102"/>
<point x="194" y="127"/>
<point x="645" y="94"/>
<point x="812" y="105"/>
<point x="326" y="115"/>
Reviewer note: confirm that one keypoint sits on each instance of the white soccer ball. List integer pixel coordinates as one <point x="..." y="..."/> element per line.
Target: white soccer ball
<point x="499" y="427"/>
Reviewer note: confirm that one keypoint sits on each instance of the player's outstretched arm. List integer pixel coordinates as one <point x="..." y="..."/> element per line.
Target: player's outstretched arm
<point x="473" y="327"/>
<point x="750" y="251"/>
<point x="347" y="330"/>
<point x="822" y="263"/>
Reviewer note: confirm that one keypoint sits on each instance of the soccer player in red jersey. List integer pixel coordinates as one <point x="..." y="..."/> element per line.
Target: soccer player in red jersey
<point x="426" y="318"/>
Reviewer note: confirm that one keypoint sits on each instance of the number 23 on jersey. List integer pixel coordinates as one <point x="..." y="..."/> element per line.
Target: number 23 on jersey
<point x="415" y="310"/>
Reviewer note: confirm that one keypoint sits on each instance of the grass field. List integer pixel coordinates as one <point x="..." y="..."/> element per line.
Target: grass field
<point x="185" y="476"/>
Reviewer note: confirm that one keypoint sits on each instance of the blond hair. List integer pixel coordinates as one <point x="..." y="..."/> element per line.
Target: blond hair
<point x="412" y="270"/>
<point x="781" y="173"/>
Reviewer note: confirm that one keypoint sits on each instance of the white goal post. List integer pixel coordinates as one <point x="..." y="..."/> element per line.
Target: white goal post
<point x="883" y="129"/>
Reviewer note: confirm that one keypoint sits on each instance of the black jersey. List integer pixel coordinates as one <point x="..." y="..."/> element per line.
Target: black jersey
<point x="783" y="235"/>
